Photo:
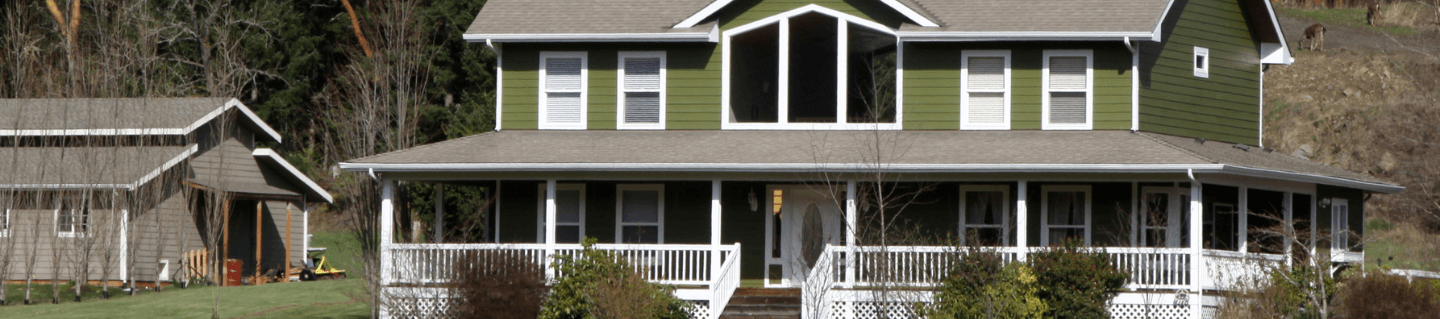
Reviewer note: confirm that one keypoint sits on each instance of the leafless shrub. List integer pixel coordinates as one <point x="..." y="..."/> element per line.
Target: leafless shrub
<point x="1377" y="295"/>
<point x="499" y="284"/>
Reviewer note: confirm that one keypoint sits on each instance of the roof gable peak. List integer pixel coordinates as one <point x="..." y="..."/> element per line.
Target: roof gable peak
<point x="715" y="6"/>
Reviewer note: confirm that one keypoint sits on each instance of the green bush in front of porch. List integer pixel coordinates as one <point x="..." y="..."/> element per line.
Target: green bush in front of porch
<point x="1067" y="281"/>
<point x="1077" y="282"/>
<point x="597" y="284"/>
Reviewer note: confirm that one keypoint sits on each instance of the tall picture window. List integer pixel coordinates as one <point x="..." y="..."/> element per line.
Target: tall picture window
<point x="641" y="90"/>
<point x="640" y="214"/>
<point x="1069" y="90"/>
<point x="985" y="102"/>
<point x="563" y="82"/>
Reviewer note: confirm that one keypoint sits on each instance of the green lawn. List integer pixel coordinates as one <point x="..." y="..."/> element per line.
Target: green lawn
<point x="317" y="299"/>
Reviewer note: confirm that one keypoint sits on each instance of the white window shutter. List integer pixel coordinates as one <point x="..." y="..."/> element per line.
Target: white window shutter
<point x="642" y="74"/>
<point x="562" y="74"/>
<point x="1068" y="73"/>
<point x="987" y="108"/>
<point x="986" y="73"/>
<point x="1067" y="107"/>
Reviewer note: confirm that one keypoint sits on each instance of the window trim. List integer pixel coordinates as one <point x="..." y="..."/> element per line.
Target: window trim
<point x="1045" y="210"/>
<point x="1202" y="71"/>
<point x="543" y="123"/>
<point x="72" y="233"/>
<point x="620" y="213"/>
<point x="620" y="91"/>
<point x="540" y="210"/>
<point x="1089" y="91"/>
<point x="5" y="227"/>
<point x="965" y="90"/>
<point x="1339" y="238"/>
<point x="1177" y="224"/>
<point x="1005" y="222"/>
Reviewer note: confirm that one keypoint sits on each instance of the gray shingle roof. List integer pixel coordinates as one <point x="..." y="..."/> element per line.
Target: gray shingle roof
<point x="584" y="16"/>
<point x="30" y="167"/>
<point x="1003" y="150"/>
<point x="117" y="116"/>
<point x="646" y="16"/>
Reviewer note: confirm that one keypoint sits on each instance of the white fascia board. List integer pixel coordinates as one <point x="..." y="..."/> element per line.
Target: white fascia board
<point x="705" y="12"/>
<point x="911" y="14"/>
<point x="168" y="164"/>
<point x="232" y="103"/>
<point x="273" y="156"/>
<point x="592" y="37"/>
<point x="1284" y="56"/>
<point x="966" y="36"/>
<point x="1311" y="178"/>
<point x="1161" y="22"/>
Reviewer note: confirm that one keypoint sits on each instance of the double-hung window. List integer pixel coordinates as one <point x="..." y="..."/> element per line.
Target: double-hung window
<point x="641" y="91"/>
<point x="640" y="214"/>
<point x="563" y="82"/>
<point x="569" y="213"/>
<point x="985" y="215"/>
<point x="985" y="79"/>
<point x="1066" y="214"/>
<point x="72" y="220"/>
<point x="1069" y="90"/>
<point x="1340" y="218"/>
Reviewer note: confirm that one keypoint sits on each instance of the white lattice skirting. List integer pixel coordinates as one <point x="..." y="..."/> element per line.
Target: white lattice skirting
<point x="416" y="303"/>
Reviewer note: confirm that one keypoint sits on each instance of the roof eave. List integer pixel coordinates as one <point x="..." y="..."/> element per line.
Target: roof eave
<point x="265" y="153"/>
<point x="593" y="37"/>
<point x="967" y="36"/>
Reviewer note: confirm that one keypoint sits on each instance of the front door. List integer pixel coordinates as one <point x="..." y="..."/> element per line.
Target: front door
<point x="1165" y="217"/>
<point x="802" y="221"/>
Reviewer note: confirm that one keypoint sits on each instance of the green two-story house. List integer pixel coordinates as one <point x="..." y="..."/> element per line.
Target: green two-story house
<point x="769" y="142"/>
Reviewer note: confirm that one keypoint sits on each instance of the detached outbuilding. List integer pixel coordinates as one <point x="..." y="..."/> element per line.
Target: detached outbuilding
<point x="132" y="189"/>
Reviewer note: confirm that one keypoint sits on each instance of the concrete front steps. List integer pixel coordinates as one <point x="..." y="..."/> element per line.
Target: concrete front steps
<point x="761" y="303"/>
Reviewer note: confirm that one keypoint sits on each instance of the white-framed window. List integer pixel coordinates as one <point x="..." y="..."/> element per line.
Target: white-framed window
<point x="1164" y="217"/>
<point x="985" y="85"/>
<point x="985" y="214"/>
<point x="569" y="214"/>
<point x="1065" y="214"/>
<point x="1340" y="223"/>
<point x="640" y="213"/>
<point x="72" y="220"/>
<point x="1068" y="81"/>
<point x="641" y="90"/>
<point x="1202" y="62"/>
<point x="564" y="79"/>
<point x="5" y="223"/>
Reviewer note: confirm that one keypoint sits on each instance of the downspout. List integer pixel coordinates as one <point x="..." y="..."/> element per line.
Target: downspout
<point x="1134" y="85"/>
<point x="499" y="83"/>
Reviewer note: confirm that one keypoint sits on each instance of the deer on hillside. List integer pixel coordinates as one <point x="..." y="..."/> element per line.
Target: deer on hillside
<point x="1372" y="14"/>
<point x="1316" y="35"/>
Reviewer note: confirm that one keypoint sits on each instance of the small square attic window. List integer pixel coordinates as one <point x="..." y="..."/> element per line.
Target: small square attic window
<point x="1202" y="62"/>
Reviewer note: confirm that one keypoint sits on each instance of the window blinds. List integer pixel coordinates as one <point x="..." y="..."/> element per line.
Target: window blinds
<point x="642" y="90"/>
<point x="1067" y="91"/>
<point x="985" y="84"/>
<point x="562" y="90"/>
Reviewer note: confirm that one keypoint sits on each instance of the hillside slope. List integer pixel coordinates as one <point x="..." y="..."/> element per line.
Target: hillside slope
<point x="1368" y="102"/>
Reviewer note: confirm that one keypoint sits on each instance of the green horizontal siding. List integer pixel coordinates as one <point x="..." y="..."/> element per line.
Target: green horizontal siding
<point x="1223" y="107"/>
<point x="692" y="83"/>
<point x="932" y="83"/>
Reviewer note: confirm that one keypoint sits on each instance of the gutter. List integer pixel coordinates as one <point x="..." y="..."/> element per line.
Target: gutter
<point x="592" y="37"/>
<point x="949" y="36"/>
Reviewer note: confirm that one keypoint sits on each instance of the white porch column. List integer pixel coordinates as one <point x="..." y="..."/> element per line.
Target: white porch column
<point x="850" y="234"/>
<point x="1289" y="227"/>
<point x="1022" y="220"/>
<point x="1197" y="262"/>
<point x="387" y="229"/>
<point x="124" y="244"/>
<point x="715" y="230"/>
<point x="549" y="229"/>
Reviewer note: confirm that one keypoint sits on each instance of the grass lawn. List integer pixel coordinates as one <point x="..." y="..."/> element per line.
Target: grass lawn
<point x="317" y="299"/>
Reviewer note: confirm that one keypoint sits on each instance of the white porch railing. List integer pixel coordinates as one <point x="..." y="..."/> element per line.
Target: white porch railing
<point x="924" y="266"/>
<point x="671" y="264"/>
<point x="1153" y="268"/>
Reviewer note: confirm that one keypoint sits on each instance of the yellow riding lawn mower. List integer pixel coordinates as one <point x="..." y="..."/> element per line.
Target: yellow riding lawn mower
<point x="317" y="269"/>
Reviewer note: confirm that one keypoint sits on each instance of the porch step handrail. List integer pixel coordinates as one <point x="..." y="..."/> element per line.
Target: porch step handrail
<point x="724" y="287"/>
<point x="815" y="297"/>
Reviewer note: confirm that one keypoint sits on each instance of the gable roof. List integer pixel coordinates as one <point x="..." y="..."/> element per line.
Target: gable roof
<point x="119" y="116"/>
<point x="796" y="151"/>
<point x="1050" y="16"/>
<point x="572" y="20"/>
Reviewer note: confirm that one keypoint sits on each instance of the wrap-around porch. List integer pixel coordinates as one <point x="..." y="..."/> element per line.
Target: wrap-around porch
<point x="708" y="237"/>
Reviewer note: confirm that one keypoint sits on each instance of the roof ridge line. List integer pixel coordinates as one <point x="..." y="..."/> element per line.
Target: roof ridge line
<point x="1178" y="148"/>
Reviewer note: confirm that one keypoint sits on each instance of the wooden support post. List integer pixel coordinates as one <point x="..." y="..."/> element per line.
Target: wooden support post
<point x="225" y="244"/>
<point x="259" y="246"/>
<point x="285" y="272"/>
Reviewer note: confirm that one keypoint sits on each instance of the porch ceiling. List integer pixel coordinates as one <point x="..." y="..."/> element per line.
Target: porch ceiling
<point x="809" y="151"/>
